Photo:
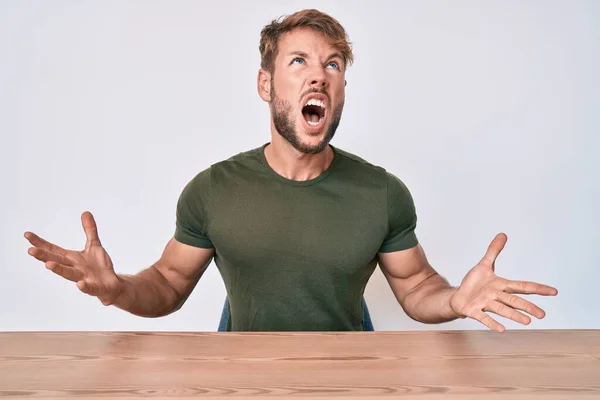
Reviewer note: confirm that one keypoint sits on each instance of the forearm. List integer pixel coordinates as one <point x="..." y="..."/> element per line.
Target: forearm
<point x="430" y="301"/>
<point x="146" y="294"/>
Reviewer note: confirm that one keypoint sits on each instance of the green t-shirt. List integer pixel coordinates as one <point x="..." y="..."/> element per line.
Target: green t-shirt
<point x="296" y="255"/>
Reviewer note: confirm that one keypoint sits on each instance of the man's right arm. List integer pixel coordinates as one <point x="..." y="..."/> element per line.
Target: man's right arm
<point x="165" y="286"/>
<point x="153" y="292"/>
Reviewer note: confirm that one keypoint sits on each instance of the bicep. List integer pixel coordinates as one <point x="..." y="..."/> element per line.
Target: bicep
<point x="405" y="270"/>
<point x="182" y="265"/>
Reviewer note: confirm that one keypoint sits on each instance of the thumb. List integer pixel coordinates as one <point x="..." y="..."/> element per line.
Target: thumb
<point x="91" y="230"/>
<point x="494" y="249"/>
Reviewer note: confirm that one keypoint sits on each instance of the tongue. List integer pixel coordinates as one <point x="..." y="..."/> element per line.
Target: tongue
<point x="311" y="117"/>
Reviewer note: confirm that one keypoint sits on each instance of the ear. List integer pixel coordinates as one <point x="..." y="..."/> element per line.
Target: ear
<point x="264" y="85"/>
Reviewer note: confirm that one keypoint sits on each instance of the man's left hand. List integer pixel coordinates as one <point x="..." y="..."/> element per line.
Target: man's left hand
<point x="483" y="291"/>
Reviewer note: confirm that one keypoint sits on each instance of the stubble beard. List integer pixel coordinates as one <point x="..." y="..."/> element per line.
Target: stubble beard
<point x="281" y="111"/>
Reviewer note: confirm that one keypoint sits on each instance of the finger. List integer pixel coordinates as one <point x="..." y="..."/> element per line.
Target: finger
<point x="508" y="312"/>
<point x="64" y="271"/>
<point x="91" y="230"/>
<point x="82" y="286"/>
<point x="45" y="256"/>
<point x="524" y="287"/>
<point x="488" y="321"/>
<point x="88" y="287"/>
<point x="520" y="304"/>
<point x="494" y="249"/>
<point x="37" y="241"/>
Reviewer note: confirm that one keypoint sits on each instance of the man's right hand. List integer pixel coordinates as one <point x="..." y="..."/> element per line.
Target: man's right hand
<point x="91" y="268"/>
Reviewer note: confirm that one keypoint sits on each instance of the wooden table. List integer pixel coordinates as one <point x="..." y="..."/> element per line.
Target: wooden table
<point x="409" y="365"/>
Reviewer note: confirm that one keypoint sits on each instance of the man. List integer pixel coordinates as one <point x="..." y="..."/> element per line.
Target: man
<point x="296" y="226"/>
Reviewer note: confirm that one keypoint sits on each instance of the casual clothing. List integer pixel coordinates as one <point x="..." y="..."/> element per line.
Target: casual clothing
<point x="296" y="255"/>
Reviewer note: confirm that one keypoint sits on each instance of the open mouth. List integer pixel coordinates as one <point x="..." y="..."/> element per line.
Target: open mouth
<point x="314" y="112"/>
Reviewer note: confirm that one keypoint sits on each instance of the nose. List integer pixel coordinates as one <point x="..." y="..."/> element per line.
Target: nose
<point x="318" y="79"/>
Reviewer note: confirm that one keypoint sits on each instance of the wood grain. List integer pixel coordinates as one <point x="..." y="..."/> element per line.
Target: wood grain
<point x="526" y="364"/>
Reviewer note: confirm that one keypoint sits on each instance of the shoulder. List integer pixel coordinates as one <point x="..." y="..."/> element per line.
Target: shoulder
<point x="357" y="161"/>
<point x="245" y="160"/>
<point x="357" y="165"/>
<point x="360" y="165"/>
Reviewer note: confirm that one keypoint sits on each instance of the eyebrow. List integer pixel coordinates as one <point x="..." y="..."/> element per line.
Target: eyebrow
<point x="303" y="54"/>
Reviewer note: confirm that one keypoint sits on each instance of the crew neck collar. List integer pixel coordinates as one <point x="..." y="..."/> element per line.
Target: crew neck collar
<point x="281" y="178"/>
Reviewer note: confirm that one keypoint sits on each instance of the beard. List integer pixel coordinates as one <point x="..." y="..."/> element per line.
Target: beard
<point x="283" y="120"/>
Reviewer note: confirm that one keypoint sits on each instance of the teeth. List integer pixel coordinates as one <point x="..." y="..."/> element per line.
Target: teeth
<point x="315" y="102"/>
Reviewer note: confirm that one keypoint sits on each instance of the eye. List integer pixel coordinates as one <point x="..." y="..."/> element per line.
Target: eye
<point x="333" y="64"/>
<point x="298" y="59"/>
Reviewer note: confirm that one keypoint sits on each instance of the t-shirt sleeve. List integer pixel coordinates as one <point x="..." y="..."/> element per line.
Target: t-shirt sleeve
<point x="193" y="212"/>
<point x="402" y="217"/>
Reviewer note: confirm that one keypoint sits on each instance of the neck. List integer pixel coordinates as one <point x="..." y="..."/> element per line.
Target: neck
<point x="292" y="164"/>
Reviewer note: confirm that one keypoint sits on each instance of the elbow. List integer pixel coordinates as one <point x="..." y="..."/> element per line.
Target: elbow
<point x="409" y="306"/>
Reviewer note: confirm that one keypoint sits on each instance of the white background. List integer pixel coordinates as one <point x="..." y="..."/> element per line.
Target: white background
<point x="488" y="111"/>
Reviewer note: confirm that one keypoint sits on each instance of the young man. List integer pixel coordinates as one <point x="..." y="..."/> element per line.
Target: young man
<point x="296" y="226"/>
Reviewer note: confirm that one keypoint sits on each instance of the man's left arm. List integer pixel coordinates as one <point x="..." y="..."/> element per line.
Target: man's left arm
<point x="421" y="291"/>
<point x="427" y="297"/>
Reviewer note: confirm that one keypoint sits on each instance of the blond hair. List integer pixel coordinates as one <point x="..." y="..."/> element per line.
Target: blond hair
<point x="312" y="19"/>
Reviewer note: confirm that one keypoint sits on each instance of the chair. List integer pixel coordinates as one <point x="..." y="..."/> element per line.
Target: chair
<point x="367" y="323"/>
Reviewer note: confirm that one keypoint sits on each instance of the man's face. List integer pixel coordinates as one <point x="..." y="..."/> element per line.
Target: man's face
<point x="307" y="90"/>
